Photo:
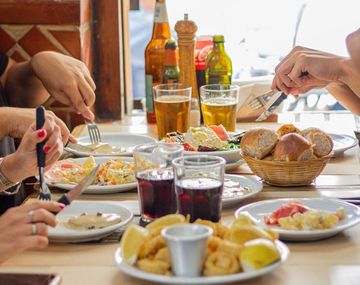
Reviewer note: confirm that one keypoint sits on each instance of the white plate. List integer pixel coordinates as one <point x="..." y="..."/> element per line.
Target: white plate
<point x="98" y="189"/>
<point x="137" y="273"/>
<point x="234" y="165"/>
<point x="260" y="209"/>
<point x="127" y="141"/>
<point x="231" y="156"/>
<point x="245" y="181"/>
<point x="342" y="143"/>
<point x="63" y="234"/>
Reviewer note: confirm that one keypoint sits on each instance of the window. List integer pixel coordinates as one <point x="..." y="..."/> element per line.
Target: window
<point x="258" y="33"/>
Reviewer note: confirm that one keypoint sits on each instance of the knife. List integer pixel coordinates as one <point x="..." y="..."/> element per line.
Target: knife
<point x="70" y="196"/>
<point x="40" y="120"/>
<point x="271" y="105"/>
<point x="275" y="102"/>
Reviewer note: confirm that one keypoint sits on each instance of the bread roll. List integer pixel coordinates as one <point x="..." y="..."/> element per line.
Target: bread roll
<point x="322" y="142"/>
<point x="293" y="147"/>
<point x="258" y="142"/>
<point x="287" y="129"/>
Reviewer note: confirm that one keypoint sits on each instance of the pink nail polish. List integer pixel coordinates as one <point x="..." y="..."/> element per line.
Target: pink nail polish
<point x="47" y="149"/>
<point x="62" y="206"/>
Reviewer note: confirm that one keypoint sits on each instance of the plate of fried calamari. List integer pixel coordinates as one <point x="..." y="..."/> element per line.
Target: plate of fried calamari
<point x="240" y="252"/>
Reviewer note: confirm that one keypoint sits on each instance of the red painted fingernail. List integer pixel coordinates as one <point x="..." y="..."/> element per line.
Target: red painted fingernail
<point x="47" y="149"/>
<point x="62" y="206"/>
<point x="41" y="133"/>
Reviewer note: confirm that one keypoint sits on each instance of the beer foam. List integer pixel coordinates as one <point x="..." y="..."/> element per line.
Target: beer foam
<point x="220" y="101"/>
<point x="171" y="99"/>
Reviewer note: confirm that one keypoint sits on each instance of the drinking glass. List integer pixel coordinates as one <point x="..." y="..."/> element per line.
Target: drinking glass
<point x="199" y="182"/>
<point x="155" y="177"/>
<point x="172" y="108"/>
<point x="219" y="105"/>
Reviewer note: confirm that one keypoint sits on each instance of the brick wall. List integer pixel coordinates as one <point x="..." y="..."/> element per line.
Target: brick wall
<point x="31" y="26"/>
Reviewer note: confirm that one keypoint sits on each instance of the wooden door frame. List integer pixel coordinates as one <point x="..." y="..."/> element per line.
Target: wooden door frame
<point x="112" y="69"/>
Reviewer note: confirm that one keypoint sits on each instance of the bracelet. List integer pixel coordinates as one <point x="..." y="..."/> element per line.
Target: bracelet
<point x="8" y="183"/>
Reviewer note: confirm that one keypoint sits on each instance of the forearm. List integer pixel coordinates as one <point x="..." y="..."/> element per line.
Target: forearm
<point x="345" y="96"/>
<point x="9" y="167"/>
<point x="5" y="116"/>
<point x="23" y="88"/>
<point x="350" y="76"/>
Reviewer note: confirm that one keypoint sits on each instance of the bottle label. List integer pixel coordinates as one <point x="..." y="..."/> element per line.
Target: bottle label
<point x="161" y="13"/>
<point x="148" y="94"/>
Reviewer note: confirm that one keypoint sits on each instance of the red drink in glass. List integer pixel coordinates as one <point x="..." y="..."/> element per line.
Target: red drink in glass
<point x="157" y="194"/>
<point x="200" y="197"/>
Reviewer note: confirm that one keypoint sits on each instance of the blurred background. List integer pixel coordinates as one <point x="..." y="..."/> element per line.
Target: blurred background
<point x="258" y="34"/>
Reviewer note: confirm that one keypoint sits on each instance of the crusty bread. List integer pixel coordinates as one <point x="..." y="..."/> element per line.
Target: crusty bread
<point x="287" y="129"/>
<point x="322" y="142"/>
<point x="258" y="142"/>
<point x="293" y="147"/>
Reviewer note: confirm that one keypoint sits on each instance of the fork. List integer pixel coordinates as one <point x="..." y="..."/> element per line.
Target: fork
<point x="94" y="132"/>
<point x="44" y="192"/>
<point x="260" y="101"/>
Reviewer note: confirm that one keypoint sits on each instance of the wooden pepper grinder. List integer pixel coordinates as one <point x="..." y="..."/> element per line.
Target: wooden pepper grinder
<point x="186" y="30"/>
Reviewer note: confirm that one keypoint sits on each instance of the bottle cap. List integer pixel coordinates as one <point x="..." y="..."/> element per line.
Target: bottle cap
<point x="218" y="38"/>
<point x="170" y="44"/>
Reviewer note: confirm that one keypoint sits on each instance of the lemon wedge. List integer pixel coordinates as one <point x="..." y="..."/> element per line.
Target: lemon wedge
<point x="133" y="238"/>
<point x="244" y="219"/>
<point x="164" y="221"/>
<point x="90" y="162"/>
<point x="257" y="254"/>
<point x="243" y="233"/>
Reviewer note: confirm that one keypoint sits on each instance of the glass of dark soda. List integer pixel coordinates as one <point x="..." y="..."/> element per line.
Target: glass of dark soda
<point x="199" y="182"/>
<point x="155" y="178"/>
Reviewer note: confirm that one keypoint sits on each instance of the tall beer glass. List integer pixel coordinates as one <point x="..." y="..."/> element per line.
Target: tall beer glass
<point x="172" y="108"/>
<point x="219" y="104"/>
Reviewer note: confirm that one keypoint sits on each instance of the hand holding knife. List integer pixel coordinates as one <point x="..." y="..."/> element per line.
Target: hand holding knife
<point x="274" y="102"/>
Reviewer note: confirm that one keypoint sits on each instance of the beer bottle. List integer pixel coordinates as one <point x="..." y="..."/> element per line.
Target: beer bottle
<point x="218" y="68"/>
<point x="154" y="56"/>
<point x="171" y="63"/>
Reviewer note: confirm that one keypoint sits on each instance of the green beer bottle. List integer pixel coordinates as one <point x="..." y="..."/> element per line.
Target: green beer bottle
<point x="171" y="63"/>
<point x="218" y="68"/>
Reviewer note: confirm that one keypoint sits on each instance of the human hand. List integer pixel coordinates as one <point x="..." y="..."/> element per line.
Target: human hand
<point x="321" y="69"/>
<point x="25" y="227"/>
<point x="23" y="163"/>
<point x="24" y="118"/>
<point x="67" y="80"/>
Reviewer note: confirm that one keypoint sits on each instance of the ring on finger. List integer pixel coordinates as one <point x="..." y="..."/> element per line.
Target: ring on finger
<point x="33" y="229"/>
<point x="31" y="215"/>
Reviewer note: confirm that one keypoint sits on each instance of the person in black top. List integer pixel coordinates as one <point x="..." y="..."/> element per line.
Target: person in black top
<point x="29" y="84"/>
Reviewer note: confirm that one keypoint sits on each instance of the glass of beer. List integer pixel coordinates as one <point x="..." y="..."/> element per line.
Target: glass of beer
<point x="199" y="183"/>
<point x="172" y="108"/>
<point x="219" y="104"/>
<point x="155" y="178"/>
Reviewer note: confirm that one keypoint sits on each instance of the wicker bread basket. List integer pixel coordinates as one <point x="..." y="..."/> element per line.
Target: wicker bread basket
<point x="287" y="173"/>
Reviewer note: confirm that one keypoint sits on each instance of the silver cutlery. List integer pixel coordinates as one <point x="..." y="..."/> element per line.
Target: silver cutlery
<point x="73" y="194"/>
<point x="94" y="132"/>
<point x="44" y="192"/>
<point x="272" y="105"/>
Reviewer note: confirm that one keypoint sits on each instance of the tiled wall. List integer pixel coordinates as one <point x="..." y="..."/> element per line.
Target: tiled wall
<point x="31" y="26"/>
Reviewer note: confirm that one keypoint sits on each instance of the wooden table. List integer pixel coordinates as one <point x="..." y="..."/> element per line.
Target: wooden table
<point x="331" y="261"/>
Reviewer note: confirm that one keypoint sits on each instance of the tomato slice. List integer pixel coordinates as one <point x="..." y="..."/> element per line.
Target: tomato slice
<point x="286" y="210"/>
<point x="67" y="165"/>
